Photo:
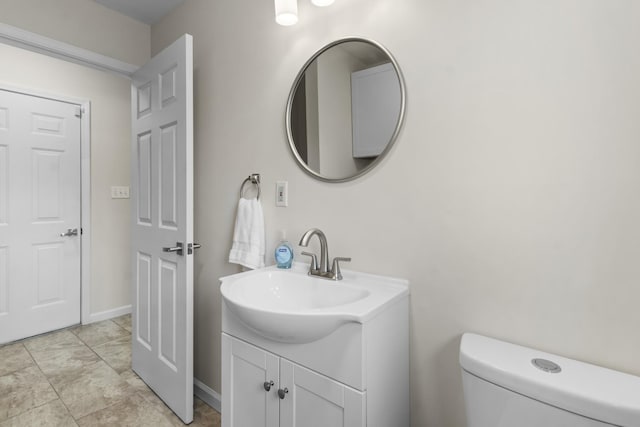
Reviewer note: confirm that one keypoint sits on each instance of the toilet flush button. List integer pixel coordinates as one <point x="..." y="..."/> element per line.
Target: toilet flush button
<point x="546" y="365"/>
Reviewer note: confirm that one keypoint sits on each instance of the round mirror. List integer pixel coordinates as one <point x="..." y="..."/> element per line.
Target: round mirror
<point x="345" y="109"/>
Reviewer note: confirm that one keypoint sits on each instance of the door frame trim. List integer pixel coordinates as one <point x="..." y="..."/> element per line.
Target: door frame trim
<point x="19" y="37"/>
<point x="85" y="188"/>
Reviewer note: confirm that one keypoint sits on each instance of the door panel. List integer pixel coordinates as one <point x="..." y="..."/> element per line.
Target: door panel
<point x="4" y="281"/>
<point x="4" y="181"/>
<point x="143" y="169"/>
<point x="46" y="179"/>
<point x="47" y="260"/>
<point x="39" y="200"/>
<point x="162" y="215"/>
<point x="4" y="118"/>
<point x="142" y="285"/>
<point x="167" y="317"/>
<point x="168" y="178"/>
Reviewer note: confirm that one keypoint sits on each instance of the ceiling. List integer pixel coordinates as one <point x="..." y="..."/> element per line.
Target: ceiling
<point x="147" y="11"/>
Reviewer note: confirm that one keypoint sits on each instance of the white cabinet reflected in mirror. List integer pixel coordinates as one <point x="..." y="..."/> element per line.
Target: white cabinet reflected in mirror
<point x="345" y="109"/>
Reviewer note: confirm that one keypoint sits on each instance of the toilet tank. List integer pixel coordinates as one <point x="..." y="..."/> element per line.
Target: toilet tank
<point x="503" y="387"/>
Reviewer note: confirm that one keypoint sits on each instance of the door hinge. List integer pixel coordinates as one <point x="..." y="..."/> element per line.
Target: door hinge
<point x="79" y="111"/>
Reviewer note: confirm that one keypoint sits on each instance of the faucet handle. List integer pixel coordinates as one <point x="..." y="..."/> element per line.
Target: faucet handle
<point x="314" y="260"/>
<point x="335" y="268"/>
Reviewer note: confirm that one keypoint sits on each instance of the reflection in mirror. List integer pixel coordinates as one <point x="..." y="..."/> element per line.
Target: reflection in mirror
<point x="345" y="109"/>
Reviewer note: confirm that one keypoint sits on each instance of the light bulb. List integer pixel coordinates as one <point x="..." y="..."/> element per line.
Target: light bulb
<point x="322" y="3"/>
<point x="286" y="12"/>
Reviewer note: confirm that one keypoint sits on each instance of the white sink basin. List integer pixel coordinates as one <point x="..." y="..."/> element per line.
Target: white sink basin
<point x="290" y="306"/>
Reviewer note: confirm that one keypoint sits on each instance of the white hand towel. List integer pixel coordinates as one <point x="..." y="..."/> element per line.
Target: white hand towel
<point x="248" y="236"/>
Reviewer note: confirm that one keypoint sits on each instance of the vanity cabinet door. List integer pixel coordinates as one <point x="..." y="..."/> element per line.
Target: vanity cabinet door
<point x="314" y="400"/>
<point x="246" y="402"/>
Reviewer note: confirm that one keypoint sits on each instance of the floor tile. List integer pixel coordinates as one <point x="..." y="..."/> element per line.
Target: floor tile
<point x="133" y="380"/>
<point x="129" y="375"/>
<point x="52" y="414"/>
<point x="205" y="415"/>
<point x="65" y="364"/>
<point x="99" y="333"/>
<point x="53" y="341"/>
<point x="82" y="375"/>
<point x="145" y="392"/>
<point x="124" y="322"/>
<point x="23" y="390"/>
<point x="14" y="357"/>
<point x="96" y="388"/>
<point x="116" y="353"/>
<point x="135" y="411"/>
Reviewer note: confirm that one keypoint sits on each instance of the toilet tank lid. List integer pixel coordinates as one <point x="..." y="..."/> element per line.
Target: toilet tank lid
<point x="589" y="390"/>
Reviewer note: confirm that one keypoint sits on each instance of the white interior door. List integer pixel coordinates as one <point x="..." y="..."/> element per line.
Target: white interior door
<point x="162" y="219"/>
<point x="39" y="200"/>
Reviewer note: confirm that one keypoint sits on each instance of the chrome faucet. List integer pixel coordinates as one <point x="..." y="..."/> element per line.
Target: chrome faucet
<point x="324" y="251"/>
<point x="322" y="270"/>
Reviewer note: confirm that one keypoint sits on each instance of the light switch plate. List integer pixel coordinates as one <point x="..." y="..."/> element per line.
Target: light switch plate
<point x="282" y="193"/>
<point x="120" y="192"/>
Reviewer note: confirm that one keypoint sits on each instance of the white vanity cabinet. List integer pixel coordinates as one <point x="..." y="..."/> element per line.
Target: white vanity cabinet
<point x="311" y="399"/>
<point x="356" y="376"/>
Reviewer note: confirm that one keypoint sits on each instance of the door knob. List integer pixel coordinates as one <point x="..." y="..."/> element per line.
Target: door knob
<point x="192" y="246"/>
<point x="267" y="385"/>
<point x="177" y="248"/>
<point x="70" y="232"/>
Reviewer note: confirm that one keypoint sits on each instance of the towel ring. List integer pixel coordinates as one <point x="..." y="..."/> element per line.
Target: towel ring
<point x="253" y="179"/>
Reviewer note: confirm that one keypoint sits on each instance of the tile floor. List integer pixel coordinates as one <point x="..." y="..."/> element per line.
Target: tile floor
<point x="81" y="376"/>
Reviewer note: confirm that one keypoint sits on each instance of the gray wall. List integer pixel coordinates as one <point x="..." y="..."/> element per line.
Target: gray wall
<point x="510" y="200"/>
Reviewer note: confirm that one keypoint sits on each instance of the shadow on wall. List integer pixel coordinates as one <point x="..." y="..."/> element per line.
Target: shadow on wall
<point x="447" y="362"/>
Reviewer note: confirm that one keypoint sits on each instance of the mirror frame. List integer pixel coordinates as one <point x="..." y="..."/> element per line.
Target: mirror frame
<point x="396" y="131"/>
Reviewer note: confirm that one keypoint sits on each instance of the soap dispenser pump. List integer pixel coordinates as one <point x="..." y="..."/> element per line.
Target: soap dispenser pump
<point x="284" y="252"/>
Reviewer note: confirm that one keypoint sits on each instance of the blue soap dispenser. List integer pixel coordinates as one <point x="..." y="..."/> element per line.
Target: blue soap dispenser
<point x="284" y="252"/>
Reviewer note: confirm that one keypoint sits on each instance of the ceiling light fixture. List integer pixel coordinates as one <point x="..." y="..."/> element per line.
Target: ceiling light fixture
<point x="286" y="12"/>
<point x="322" y="3"/>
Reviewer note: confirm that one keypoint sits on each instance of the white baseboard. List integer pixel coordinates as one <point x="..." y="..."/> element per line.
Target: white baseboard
<point x="109" y="314"/>
<point x="207" y="394"/>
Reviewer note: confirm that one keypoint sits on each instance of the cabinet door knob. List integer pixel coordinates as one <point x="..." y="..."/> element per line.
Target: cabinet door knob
<point x="267" y="385"/>
<point x="282" y="393"/>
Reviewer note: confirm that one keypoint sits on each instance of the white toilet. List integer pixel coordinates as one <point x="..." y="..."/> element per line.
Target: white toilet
<point x="506" y="385"/>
